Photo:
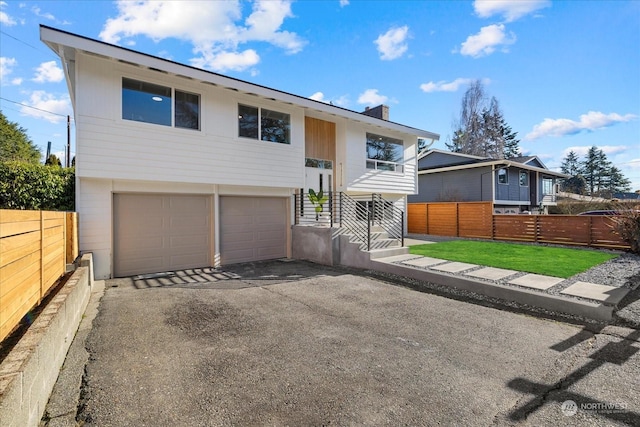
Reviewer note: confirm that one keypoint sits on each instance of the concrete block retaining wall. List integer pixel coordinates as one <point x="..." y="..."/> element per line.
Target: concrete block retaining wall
<point x="30" y="370"/>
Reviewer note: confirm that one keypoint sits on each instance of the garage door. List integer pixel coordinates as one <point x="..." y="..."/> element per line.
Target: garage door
<point x="252" y="228"/>
<point x="160" y="232"/>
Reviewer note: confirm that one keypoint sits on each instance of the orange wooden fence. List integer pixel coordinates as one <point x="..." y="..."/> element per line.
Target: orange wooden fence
<point x="35" y="247"/>
<point x="476" y="220"/>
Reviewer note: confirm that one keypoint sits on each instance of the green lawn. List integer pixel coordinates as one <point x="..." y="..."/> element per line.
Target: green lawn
<point x="550" y="261"/>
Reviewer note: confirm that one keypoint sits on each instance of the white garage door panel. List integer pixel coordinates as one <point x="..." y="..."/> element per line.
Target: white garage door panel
<point x="160" y="232"/>
<point x="252" y="228"/>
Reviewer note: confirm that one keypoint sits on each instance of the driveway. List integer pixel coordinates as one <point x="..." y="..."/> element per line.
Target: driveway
<point x="293" y="343"/>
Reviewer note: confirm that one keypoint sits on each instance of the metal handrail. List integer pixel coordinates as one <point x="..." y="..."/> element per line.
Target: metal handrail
<point x="357" y="214"/>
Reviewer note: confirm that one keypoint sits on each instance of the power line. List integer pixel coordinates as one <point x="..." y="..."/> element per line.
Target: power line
<point x="35" y="108"/>
<point x="25" y="43"/>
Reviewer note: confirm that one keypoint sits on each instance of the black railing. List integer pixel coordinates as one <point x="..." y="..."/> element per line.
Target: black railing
<point x="365" y="217"/>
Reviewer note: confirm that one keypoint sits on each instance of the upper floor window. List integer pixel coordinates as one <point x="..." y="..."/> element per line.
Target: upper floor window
<point x="524" y="179"/>
<point x="270" y="125"/>
<point x="503" y="176"/>
<point x="152" y="103"/>
<point x="384" y="153"/>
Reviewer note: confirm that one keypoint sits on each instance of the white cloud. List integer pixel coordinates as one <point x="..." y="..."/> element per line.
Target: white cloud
<point x="487" y="40"/>
<point x="344" y="3"/>
<point x="214" y="28"/>
<point x="319" y="96"/>
<point x="5" y="19"/>
<point x="6" y="66"/>
<point x="510" y="10"/>
<point x="44" y="103"/>
<point x="38" y="12"/>
<point x="372" y="97"/>
<point x="226" y="61"/>
<point x="49" y="72"/>
<point x="589" y="122"/>
<point x="581" y="150"/>
<point x="392" y="44"/>
<point x="443" y="86"/>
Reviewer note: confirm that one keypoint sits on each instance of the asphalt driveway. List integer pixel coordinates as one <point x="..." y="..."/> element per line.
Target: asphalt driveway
<point x="292" y="343"/>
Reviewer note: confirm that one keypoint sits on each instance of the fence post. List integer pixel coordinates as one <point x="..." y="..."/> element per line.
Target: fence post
<point x="340" y="207"/>
<point x="369" y="230"/>
<point x="331" y="208"/>
<point x="41" y="257"/>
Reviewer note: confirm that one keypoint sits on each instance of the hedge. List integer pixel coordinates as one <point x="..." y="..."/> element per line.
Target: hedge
<point x="34" y="186"/>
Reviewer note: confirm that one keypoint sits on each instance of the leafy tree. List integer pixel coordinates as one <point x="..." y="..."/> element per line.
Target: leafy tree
<point x="35" y="186"/>
<point x="53" y="160"/>
<point x="482" y="129"/>
<point x="576" y="184"/>
<point x="15" y="143"/>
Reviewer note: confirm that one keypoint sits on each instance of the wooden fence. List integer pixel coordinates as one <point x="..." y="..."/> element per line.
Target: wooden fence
<point x="35" y="247"/>
<point x="476" y="220"/>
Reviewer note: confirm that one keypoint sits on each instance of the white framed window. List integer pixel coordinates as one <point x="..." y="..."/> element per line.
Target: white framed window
<point x="385" y="153"/>
<point x="503" y="176"/>
<point x="152" y="103"/>
<point x="268" y="125"/>
<point x="524" y="178"/>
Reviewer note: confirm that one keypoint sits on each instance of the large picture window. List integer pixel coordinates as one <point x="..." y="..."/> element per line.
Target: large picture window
<point x="146" y="102"/>
<point x="152" y="103"/>
<point x="269" y="125"/>
<point x="503" y="176"/>
<point x="384" y="153"/>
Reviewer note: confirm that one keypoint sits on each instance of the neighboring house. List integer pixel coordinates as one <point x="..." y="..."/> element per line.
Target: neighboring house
<point x="627" y="196"/>
<point x="516" y="185"/>
<point x="178" y="167"/>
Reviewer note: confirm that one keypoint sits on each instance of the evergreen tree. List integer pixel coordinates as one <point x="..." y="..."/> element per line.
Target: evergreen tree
<point x="53" y="160"/>
<point x="15" y="144"/>
<point x="571" y="164"/>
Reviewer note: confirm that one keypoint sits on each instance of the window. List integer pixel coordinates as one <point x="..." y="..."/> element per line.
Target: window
<point x="272" y="126"/>
<point x="151" y="103"/>
<point x="524" y="178"/>
<point x="384" y="153"/>
<point x="503" y="176"/>
<point x="318" y="163"/>
<point x="187" y="110"/>
<point x="146" y="102"/>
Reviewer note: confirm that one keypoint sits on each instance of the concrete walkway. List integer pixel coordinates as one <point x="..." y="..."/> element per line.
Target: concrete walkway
<point x="590" y="300"/>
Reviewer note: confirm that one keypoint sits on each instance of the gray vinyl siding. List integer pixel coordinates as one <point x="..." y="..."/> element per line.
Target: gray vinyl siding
<point x="434" y="160"/>
<point x="454" y="186"/>
<point x="513" y="191"/>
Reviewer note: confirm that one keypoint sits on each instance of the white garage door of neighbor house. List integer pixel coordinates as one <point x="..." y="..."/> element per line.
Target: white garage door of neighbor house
<point x="252" y="228"/>
<point x="160" y="232"/>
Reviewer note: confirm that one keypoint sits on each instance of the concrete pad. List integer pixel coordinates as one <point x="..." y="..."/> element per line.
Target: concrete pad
<point x="414" y="242"/>
<point x="397" y="258"/>
<point x="424" y="261"/>
<point x="536" y="281"/>
<point x="491" y="273"/>
<point x="608" y="294"/>
<point x="454" y="267"/>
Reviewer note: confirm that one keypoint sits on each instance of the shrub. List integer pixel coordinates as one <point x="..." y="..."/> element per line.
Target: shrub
<point x="627" y="226"/>
<point x="34" y="186"/>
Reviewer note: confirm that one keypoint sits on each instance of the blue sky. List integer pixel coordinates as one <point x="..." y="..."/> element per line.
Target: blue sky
<point x="566" y="73"/>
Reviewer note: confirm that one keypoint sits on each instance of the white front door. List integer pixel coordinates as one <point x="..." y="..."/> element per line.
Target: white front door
<point x="318" y="180"/>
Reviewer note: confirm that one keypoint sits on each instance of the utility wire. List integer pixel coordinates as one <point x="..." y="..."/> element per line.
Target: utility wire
<point x="30" y="45"/>
<point x="35" y="108"/>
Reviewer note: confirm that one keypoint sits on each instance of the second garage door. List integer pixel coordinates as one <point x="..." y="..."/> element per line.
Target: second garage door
<point x="252" y="228"/>
<point x="160" y="232"/>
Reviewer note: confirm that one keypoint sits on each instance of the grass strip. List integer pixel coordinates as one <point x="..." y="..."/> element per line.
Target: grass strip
<point x="546" y="260"/>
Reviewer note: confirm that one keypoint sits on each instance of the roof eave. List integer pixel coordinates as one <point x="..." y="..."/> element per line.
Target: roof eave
<point x="58" y="40"/>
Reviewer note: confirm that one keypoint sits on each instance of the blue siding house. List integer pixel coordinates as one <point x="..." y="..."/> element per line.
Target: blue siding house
<point x="516" y="185"/>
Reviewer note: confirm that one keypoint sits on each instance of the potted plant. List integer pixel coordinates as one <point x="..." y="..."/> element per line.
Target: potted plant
<point x="317" y="200"/>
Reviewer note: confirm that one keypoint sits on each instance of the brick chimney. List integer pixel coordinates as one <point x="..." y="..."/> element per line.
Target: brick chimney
<point x="379" y="112"/>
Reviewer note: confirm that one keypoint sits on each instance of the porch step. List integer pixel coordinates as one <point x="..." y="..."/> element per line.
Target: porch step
<point x="399" y="252"/>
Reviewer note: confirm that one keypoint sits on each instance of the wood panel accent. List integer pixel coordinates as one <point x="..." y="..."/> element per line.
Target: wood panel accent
<point x="33" y="254"/>
<point x="320" y="139"/>
<point x="476" y="220"/>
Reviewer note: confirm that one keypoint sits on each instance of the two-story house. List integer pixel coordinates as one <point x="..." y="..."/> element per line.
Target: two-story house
<point x="178" y="167"/>
<point x="516" y="185"/>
